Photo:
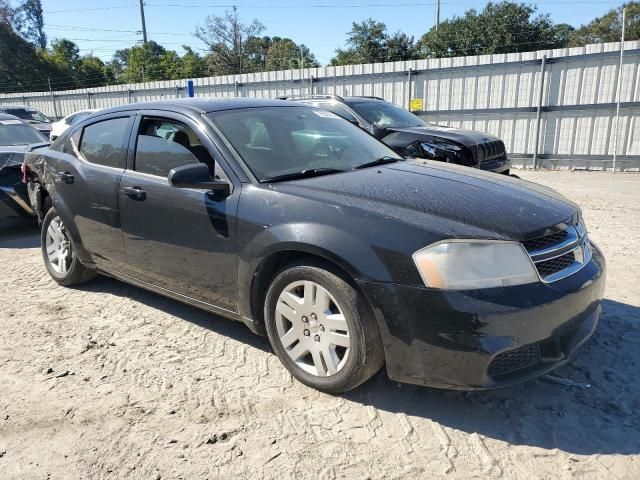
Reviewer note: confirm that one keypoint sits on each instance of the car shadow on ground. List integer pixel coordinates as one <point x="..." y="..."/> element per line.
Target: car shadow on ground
<point x="223" y="326"/>
<point x="592" y="403"/>
<point x="594" y="412"/>
<point x="20" y="235"/>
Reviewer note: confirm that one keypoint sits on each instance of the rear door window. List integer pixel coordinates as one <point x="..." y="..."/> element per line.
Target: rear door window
<point x="103" y="143"/>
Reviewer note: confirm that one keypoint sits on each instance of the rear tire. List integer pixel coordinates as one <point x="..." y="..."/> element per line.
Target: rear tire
<point x="59" y="254"/>
<point x="322" y="329"/>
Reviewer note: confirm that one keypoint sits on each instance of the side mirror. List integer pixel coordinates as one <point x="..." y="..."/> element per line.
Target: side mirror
<point x="196" y="176"/>
<point x="378" y="132"/>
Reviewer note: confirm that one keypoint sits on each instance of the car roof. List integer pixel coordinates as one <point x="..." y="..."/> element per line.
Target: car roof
<point x="350" y="99"/>
<point x="15" y="107"/>
<point x="200" y="105"/>
<point x="6" y="116"/>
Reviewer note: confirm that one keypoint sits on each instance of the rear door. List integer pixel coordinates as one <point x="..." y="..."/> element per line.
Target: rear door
<point x="179" y="239"/>
<point x="87" y="179"/>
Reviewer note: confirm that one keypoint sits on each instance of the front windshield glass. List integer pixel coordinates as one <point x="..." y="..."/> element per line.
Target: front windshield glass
<point x="384" y="114"/>
<point x="29" y="115"/>
<point x="275" y="141"/>
<point x="14" y="132"/>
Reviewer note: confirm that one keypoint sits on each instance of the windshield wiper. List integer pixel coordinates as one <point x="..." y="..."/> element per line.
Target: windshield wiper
<point x="378" y="161"/>
<point x="306" y="173"/>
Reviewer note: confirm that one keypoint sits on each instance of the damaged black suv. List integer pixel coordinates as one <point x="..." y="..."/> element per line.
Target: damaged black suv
<point x="413" y="137"/>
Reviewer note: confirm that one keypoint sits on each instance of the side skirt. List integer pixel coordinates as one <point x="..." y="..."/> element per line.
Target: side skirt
<point x="223" y="312"/>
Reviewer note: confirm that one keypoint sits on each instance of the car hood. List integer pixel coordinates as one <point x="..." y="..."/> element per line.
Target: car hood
<point x="467" y="138"/>
<point x="444" y="199"/>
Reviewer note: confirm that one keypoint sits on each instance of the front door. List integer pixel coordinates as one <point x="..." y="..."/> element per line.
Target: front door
<point x="180" y="239"/>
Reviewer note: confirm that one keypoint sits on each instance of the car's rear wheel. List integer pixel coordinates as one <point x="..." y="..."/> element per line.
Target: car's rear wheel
<point x="321" y="329"/>
<point x="59" y="253"/>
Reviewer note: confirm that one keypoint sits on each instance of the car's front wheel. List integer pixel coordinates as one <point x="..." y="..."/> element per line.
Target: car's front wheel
<point x="321" y="329"/>
<point x="59" y="253"/>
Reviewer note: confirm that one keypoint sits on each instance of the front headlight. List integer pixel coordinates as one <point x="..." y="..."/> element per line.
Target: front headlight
<point x="470" y="264"/>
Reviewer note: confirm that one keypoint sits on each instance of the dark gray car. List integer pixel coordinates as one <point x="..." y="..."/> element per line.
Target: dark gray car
<point x="308" y="229"/>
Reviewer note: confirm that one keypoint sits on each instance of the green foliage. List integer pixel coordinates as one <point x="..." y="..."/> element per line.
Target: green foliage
<point x="502" y="27"/>
<point x="284" y="53"/>
<point x="608" y="28"/>
<point x="368" y="42"/>
<point x="22" y="68"/>
<point x="234" y="46"/>
<point x="193" y="65"/>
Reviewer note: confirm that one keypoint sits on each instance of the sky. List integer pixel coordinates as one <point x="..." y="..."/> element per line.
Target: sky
<point x="321" y="25"/>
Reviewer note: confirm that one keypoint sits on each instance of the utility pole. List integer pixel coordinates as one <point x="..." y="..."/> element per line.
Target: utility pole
<point x="144" y="26"/>
<point x="53" y="99"/>
<point x="619" y="92"/>
<point x="437" y="14"/>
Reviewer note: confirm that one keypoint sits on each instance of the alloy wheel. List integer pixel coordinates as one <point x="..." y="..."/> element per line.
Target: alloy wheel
<point x="58" y="247"/>
<point x="312" y="328"/>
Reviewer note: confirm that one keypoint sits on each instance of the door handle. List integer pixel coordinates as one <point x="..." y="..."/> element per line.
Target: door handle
<point x="135" y="192"/>
<point x="66" y="177"/>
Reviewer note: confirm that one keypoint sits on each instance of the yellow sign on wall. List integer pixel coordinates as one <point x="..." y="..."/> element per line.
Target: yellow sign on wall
<point x="415" y="105"/>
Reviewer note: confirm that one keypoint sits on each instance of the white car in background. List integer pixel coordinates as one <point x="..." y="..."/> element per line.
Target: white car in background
<point x="59" y="127"/>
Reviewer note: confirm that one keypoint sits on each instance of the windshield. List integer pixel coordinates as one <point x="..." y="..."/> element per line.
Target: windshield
<point x="14" y="132"/>
<point x="27" y="114"/>
<point x="384" y="114"/>
<point x="276" y="141"/>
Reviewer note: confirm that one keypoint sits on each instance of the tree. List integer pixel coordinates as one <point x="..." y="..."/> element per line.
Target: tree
<point x="257" y="48"/>
<point x="64" y="53"/>
<point x="139" y="63"/>
<point x="501" y="27"/>
<point x="227" y="38"/>
<point x="284" y="54"/>
<point x="31" y="25"/>
<point x="9" y="15"/>
<point x="608" y="28"/>
<point x="21" y="67"/>
<point x="193" y="65"/>
<point x="368" y="42"/>
<point x="399" y="46"/>
<point x="92" y="72"/>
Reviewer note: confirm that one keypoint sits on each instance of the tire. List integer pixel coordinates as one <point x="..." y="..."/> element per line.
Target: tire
<point x="66" y="269"/>
<point x="332" y="358"/>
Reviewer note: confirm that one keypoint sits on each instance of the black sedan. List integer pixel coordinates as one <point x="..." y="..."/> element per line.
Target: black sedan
<point x="308" y="229"/>
<point x="413" y="137"/>
<point x="16" y="138"/>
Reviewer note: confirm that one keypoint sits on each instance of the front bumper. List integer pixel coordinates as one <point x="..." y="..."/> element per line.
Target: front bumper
<point x="499" y="165"/>
<point x="490" y="338"/>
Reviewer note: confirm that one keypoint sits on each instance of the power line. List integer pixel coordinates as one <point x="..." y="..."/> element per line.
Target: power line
<point x="334" y="5"/>
<point x="94" y="29"/>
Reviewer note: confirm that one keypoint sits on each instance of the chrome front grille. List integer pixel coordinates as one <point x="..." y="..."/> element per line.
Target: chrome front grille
<point x="560" y="254"/>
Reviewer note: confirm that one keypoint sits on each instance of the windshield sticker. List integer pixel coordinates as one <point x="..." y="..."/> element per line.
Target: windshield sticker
<point x="326" y="114"/>
<point x="10" y="122"/>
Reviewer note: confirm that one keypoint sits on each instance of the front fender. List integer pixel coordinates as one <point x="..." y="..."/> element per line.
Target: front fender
<point x="321" y="240"/>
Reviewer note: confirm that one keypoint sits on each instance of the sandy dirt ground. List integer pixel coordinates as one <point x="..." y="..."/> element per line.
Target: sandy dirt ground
<point x="110" y="381"/>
